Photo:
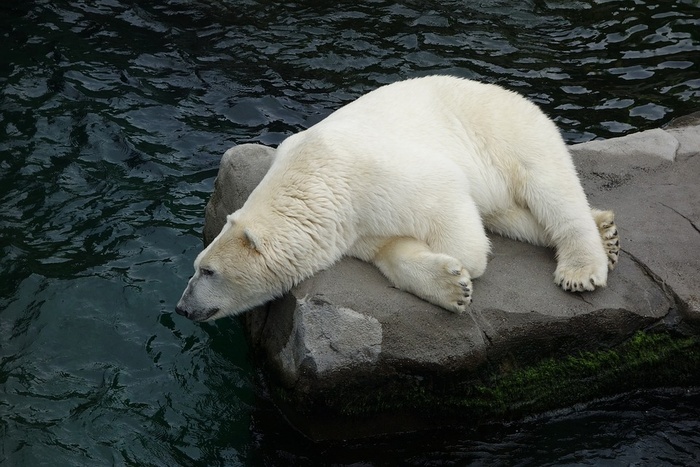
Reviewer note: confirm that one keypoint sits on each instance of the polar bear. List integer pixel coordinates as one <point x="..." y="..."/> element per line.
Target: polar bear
<point x="408" y="177"/>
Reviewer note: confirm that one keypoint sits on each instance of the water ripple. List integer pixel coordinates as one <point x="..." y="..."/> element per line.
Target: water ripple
<point x="113" y="117"/>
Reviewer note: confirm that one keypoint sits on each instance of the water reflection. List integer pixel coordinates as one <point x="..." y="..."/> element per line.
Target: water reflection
<point x="113" y="116"/>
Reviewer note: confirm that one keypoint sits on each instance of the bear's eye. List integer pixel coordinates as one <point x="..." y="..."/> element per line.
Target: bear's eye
<point x="206" y="271"/>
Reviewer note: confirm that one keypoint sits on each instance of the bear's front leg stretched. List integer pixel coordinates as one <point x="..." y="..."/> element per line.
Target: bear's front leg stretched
<point x="435" y="277"/>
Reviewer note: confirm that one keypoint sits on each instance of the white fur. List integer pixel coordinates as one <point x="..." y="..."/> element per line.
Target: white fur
<point x="406" y="177"/>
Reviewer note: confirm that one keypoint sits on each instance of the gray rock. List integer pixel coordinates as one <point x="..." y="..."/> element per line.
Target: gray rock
<point x="241" y="169"/>
<point x="346" y="331"/>
<point x="322" y="338"/>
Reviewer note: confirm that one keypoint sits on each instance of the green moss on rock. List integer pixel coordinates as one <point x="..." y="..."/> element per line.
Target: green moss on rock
<point x="647" y="360"/>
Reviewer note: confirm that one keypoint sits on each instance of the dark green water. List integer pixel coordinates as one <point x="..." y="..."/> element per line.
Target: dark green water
<point x="113" y="116"/>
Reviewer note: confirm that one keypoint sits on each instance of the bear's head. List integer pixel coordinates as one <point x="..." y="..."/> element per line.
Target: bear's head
<point x="232" y="275"/>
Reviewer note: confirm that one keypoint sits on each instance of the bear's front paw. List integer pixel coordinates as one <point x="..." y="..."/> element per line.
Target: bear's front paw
<point x="437" y="278"/>
<point x="581" y="278"/>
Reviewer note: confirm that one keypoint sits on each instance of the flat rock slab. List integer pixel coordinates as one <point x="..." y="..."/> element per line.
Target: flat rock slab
<point x="347" y="332"/>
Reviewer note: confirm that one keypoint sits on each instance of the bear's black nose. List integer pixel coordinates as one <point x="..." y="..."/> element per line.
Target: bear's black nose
<point x="181" y="312"/>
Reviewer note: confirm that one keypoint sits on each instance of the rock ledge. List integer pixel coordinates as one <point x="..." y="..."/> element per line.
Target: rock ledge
<point x="347" y="355"/>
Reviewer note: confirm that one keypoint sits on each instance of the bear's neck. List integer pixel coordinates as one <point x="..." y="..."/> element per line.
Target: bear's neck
<point x="309" y="230"/>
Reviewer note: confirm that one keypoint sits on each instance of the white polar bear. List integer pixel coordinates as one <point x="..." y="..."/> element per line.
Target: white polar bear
<point x="407" y="177"/>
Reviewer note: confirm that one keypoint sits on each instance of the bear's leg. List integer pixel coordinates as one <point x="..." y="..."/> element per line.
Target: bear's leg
<point x="436" y="277"/>
<point x="557" y="201"/>
<point x="519" y="224"/>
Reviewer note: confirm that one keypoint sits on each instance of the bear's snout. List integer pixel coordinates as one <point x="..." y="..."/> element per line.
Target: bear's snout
<point x="196" y="315"/>
<point x="182" y="312"/>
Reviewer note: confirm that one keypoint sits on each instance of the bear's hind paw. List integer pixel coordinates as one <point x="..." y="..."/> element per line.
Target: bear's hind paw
<point x="609" y="235"/>
<point x="611" y="243"/>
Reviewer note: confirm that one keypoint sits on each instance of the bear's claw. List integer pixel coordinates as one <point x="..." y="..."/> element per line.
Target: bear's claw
<point x="463" y="295"/>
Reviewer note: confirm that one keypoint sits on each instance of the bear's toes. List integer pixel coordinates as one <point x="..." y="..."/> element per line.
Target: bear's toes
<point x="580" y="279"/>
<point x="460" y="297"/>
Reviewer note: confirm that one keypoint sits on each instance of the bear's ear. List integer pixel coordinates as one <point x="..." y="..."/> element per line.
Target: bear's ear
<point x="232" y="218"/>
<point x="251" y="240"/>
